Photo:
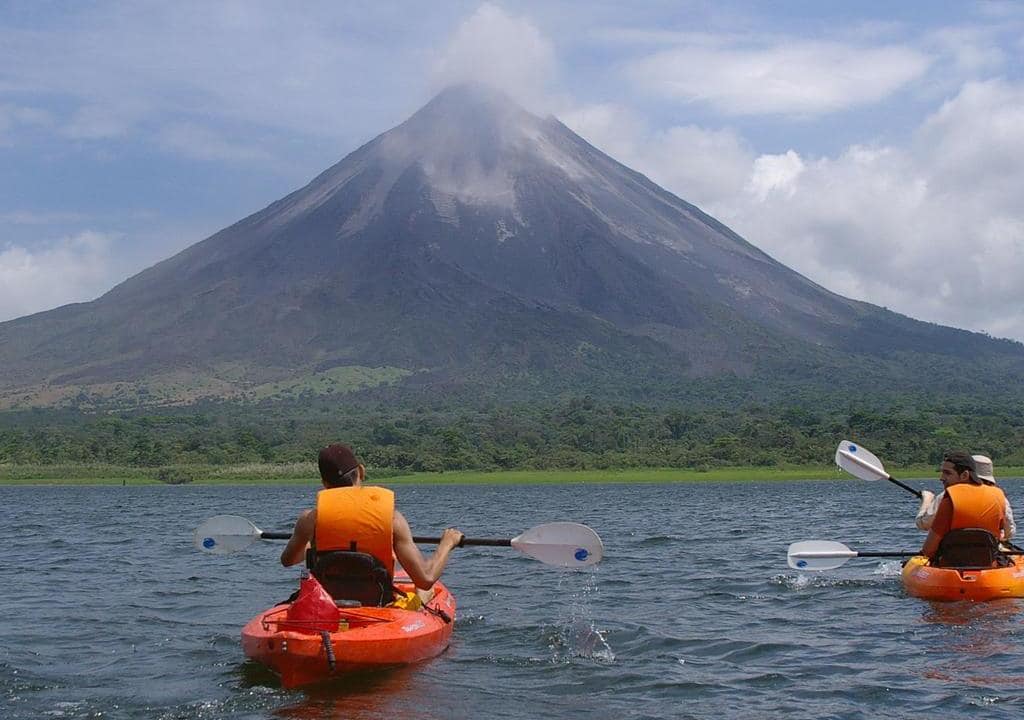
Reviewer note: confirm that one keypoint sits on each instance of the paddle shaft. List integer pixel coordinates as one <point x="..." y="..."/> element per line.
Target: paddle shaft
<point x="888" y="554"/>
<point x="909" y="489"/>
<point x="482" y="542"/>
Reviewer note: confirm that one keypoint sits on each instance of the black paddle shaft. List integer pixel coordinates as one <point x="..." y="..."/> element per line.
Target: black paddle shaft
<point x="918" y="552"/>
<point x="909" y="489"/>
<point x="887" y="554"/>
<point x="483" y="542"/>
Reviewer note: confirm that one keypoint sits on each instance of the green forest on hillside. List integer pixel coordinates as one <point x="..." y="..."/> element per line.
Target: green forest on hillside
<point x="579" y="433"/>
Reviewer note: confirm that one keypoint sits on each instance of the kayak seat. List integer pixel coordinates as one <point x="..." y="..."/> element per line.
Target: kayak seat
<point x="351" y="578"/>
<point x="969" y="549"/>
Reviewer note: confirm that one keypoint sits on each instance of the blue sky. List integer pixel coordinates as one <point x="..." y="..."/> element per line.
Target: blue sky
<point x="876" y="147"/>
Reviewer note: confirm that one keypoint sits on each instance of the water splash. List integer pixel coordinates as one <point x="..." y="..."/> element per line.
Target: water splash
<point x="889" y="568"/>
<point x="577" y="635"/>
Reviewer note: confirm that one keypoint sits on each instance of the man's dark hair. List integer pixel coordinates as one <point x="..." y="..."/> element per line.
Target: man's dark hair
<point x="963" y="462"/>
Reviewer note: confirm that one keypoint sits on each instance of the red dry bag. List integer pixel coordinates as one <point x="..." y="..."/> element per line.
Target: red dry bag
<point x="313" y="610"/>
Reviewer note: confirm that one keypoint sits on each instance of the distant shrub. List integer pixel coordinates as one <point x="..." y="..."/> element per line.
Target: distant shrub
<point x="174" y="476"/>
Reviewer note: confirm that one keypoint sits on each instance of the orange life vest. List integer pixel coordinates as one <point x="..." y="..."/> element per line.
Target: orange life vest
<point x="977" y="506"/>
<point x="357" y="519"/>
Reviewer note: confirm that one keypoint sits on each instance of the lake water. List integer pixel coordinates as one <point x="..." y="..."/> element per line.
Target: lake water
<point x="109" y="612"/>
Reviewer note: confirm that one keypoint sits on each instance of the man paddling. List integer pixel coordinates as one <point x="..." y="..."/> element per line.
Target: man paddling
<point x="985" y="472"/>
<point x="967" y="503"/>
<point x="350" y="517"/>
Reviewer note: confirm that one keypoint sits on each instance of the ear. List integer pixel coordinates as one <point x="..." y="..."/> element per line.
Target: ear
<point x="360" y="474"/>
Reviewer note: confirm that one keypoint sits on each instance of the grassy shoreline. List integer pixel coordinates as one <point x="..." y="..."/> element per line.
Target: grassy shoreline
<point x="305" y="474"/>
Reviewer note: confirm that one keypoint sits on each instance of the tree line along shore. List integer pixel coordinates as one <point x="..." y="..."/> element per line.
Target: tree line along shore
<point x="306" y="474"/>
<point x="570" y="440"/>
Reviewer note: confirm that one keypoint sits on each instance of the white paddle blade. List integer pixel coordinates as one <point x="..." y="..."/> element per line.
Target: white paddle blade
<point x="818" y="555"/>
<point x="565" y="544"/>
<point x="223" y="534"/>
<point x="860" y="462"/>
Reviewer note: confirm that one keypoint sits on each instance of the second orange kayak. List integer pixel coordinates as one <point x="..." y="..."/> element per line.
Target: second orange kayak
<point x="931" y="583"/>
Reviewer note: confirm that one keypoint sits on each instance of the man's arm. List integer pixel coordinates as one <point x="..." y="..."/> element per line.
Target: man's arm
<point x="926" y="513"/>
<point x="940" y="526"/>
<point x="1009" y="526"/>
<point x="422" y="571"/>
<point x="295" y="551"/>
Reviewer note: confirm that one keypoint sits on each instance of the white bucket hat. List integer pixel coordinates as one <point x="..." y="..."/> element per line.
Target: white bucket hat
<point x="985" y="472"/>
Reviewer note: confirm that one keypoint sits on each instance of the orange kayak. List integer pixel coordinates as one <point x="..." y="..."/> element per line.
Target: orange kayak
<point x="931" y="583"/>
<point x="367" y="638"/>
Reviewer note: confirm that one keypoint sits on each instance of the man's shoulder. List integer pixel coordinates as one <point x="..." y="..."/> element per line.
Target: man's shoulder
<point x="307" y="518"/>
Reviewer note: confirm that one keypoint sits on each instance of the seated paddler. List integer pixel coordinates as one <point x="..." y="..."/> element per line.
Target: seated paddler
<point x="985" y="472"/>
<point x="353" y="537"/>
<point x="969" y="519"/>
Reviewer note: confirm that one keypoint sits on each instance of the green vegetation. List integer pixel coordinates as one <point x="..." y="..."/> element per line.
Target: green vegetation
<point x="276" y="442"/>
<point x="336" y="380"/>
<point x="297" y="474"/>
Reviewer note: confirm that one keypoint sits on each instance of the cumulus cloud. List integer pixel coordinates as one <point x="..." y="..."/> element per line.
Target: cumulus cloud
<point x="701" y="165"/>
<point x="775" y="173"/>
<point x="72" y="269"/>
<point x="495" y="48"/>
<point x="793" y="77"/>
<point x="933" y="229"/>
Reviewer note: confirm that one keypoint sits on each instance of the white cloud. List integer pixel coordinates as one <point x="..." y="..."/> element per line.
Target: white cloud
<point x="113" y="68"/>
<point x="922" y="231"/>
<point x="27" y="217"/>
<point x="970" y="50"/>
<point x="494" y="48"/>
<point x="200" y="142"/>
<point x="794" y="77"/>
<point x="775" y="173"/>
<point x="99" y="121"/>
<point x="934" y="230"/>
<point x="72" y="269"/>
<point x="974" y="143"/>
<point x="13" y="117"/>
<point x="700" y="165"/>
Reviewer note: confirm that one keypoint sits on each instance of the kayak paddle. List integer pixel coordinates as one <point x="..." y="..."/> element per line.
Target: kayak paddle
<point x="860" y="462"/>
<point x="828" y="555"/>
<point x="565" y="544"/>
